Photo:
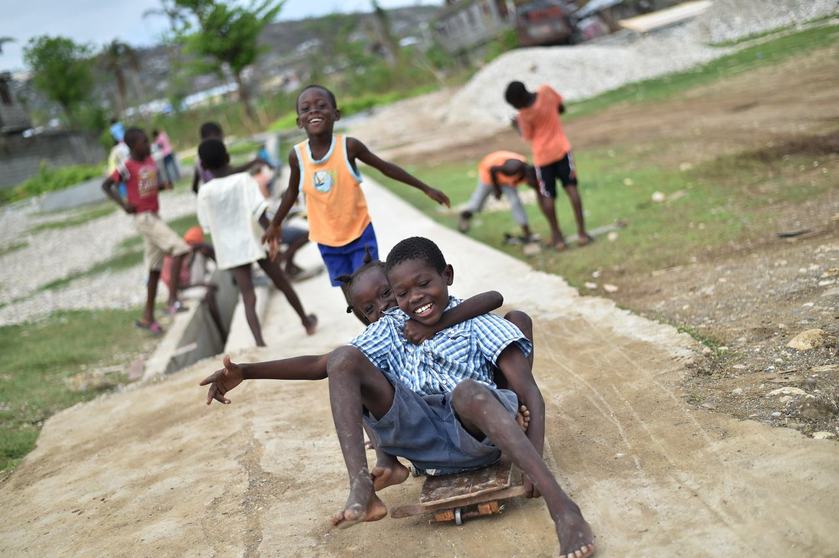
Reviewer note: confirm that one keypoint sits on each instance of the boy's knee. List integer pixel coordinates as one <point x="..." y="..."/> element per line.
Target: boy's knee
<point x="468" y="393"/>
<point x="342" y="359"/>
<point x="522" y="321"/>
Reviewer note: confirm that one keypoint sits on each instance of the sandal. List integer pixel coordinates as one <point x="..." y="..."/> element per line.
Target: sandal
<point x="173" y="309"/>
<point x="152" y="327"/>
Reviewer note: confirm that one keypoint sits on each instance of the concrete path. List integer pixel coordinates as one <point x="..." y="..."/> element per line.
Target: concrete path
<point x="153" y="472"/>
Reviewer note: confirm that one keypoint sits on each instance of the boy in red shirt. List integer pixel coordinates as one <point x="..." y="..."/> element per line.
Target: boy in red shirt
<point x="139" y="173"/>
<point x="539" y="123"/>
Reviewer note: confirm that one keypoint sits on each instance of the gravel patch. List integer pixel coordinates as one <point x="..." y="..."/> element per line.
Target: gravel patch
<point x="53" y="254"/>
<point x="587" y="70"/>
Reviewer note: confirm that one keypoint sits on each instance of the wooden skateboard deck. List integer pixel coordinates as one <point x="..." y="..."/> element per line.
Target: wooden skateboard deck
<point x="455" y="497"/>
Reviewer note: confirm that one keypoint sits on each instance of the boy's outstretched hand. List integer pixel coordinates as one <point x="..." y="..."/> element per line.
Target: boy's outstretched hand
<point x="222" y="381"/>
<point x="438" y="196"/>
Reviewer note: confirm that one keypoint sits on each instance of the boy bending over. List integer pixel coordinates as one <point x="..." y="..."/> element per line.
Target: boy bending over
<point x="436" y="404"/>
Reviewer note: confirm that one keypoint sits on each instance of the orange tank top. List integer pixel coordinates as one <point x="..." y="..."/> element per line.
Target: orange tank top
<point x="496" y="159"/>
<point x="335" y="203"/>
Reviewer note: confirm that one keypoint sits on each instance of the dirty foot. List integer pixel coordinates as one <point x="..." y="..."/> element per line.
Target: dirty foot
<point x="311" y="324"/>
<point x="387" y="472"/>
<point x="523" y="417"/>
<point x="575" y="537"/>
<point x="584" y="239"/>
<point x="560" y="246"/>
<point x="362" y="504"/>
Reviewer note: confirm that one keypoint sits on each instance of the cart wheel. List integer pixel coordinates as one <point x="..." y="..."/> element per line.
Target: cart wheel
<point x="458" y="518"/>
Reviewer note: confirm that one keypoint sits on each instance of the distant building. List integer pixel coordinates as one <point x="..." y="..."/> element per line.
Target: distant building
<point x="13" y="119"/>
<point x="465" y="25"/>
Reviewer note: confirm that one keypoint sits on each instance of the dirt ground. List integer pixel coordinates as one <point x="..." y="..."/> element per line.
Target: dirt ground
<point x="751" y="298"/>
<point x="151" y="471"/>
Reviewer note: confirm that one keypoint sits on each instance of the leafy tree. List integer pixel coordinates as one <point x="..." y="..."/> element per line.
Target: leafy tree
<point x="61" y="70"/>
<point x="117" y="57"/>
<point x="222" y="35"/>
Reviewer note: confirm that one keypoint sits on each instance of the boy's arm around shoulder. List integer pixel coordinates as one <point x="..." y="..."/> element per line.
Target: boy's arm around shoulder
<point x="357" y="150"/>
<point x="472" y="307"/>
<point x="311" y="367"/>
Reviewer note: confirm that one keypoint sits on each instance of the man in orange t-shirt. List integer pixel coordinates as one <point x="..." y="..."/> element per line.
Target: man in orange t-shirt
<point x="539" y="123"/>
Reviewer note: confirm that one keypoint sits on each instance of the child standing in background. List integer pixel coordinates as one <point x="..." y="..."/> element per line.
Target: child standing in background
<point x="325" y="168"/>
<point x="539" y="123"/>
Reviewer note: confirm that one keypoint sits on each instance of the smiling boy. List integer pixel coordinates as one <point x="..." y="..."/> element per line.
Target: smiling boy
<point x="436" y="404"/>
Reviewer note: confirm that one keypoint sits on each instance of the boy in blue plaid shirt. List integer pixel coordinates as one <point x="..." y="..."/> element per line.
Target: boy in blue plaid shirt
<point x="436" y="403"/>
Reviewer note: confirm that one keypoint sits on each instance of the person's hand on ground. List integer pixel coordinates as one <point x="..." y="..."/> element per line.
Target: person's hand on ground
<point x="130" y="209"/>
<point x="416" y="332"/>
<point x="530" y="490"/>
<point x="496" y="191"/>
<point x="222" y="381"/>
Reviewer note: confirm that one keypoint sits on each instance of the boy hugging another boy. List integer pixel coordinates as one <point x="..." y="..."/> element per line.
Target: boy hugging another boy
<point x="436" y="403"/>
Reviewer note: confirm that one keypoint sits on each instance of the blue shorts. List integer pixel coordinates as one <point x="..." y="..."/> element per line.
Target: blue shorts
<point x="343" y="260"/>
<point x="426" y="430"/>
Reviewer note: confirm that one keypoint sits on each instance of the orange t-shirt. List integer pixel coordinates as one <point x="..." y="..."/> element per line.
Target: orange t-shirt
<point x="540" y="125"/>
<point x="496" y="159"/>
<point x="335" y="203"/>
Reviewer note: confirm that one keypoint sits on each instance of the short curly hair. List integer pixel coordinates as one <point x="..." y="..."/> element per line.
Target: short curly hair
<point x="416" y="248"/>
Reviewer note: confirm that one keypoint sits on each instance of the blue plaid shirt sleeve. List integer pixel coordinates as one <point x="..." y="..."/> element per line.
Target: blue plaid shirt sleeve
<point x="494" y="334"/>
<point x="376" y="342"/>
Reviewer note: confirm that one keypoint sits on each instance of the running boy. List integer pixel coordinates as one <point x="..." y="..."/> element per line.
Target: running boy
<point x="325" y="168"/>
<point x="139" y="173"/>
<point x="501" y="171"/>
<point x="539" y="123"/>
<point x="228" y="207"/>
<point x="437" y="404"/>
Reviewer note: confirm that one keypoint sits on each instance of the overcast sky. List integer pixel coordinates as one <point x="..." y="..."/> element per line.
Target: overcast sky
<point x="100" y="21"/>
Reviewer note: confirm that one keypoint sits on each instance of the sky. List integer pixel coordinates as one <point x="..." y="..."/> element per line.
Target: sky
<point x="100" y="21"/>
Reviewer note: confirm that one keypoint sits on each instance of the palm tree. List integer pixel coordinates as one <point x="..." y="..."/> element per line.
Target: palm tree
<point x="117" y="57"/>
<point x="4" y="40"/>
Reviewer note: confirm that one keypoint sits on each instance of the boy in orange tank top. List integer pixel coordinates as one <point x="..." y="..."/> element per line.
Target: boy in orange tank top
<point x="539" y="123"/>
<point x="325" y="168"/>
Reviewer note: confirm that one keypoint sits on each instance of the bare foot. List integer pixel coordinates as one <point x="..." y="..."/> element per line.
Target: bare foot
<point x="311" y="324"/>
<point x="362" y="504"/>
<point x="560" y="246"/>
<point x="387" y="472"/>
<point x="575" y="537"/>
<point x="523" y="417"/>
<point x="584" y="239"/>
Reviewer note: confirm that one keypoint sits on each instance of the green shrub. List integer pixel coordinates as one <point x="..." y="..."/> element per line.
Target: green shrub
<point x="50" y="179"/>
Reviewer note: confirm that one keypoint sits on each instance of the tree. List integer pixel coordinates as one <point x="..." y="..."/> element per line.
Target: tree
<point x="61" y="70"/>
<point x="117" y="57"/>
<point x="223" y="35"/>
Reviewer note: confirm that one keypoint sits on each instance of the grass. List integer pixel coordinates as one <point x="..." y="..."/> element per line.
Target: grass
<point x="751" y="57"/>
<point x="711" y="206"/>
<point x="39" y="356"/>
<point x="50" y="179"/>
<point x="81" y="218"/>
<point x="15" y="246"/>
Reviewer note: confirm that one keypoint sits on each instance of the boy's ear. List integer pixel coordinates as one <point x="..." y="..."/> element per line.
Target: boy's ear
<point x="337" y="114"/>
<point x="299" y="124"/>
<point x="448" y="275"/>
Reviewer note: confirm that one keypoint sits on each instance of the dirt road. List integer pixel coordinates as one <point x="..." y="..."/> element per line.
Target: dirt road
<point x="152" y="471"/>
